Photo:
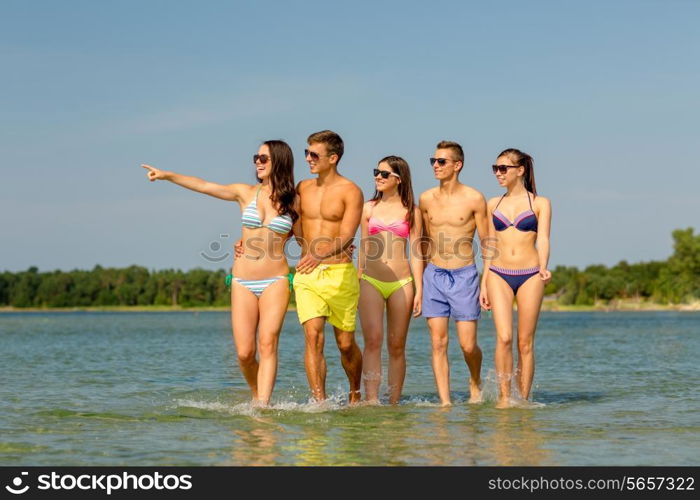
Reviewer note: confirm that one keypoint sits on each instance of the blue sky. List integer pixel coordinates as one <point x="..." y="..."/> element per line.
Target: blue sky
<point x="604" y="95"/>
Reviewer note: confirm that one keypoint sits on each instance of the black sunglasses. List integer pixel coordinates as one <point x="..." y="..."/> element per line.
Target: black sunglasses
<point x="384" y="173"/>
<point x="261" y="158"/>
<point x="440" y="161"/>
<point x="312" y="155"/>
<point x="502" y="169"/>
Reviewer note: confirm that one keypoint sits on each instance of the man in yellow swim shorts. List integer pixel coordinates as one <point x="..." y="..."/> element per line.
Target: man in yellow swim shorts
<point x="326" y="282"/>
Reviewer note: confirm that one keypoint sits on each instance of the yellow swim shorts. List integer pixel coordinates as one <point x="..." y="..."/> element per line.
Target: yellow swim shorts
<point x="331" y="291"/>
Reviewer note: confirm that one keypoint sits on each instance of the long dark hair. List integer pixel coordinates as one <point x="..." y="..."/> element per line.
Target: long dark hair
<point x="400" y="167"/>
<point x="282" y="178"/>
<point x="525" y="160"/>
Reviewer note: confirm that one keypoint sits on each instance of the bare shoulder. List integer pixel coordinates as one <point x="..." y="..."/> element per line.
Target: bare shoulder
<point x="542" y="202"/>
<point x="305" y="184"/>
<point x="345" y="183"/>
<point x="472" y="193"/>
<point x="426" y="196"/>
<point x="350" y="190"/>
<point x="491" y="204"/>
<point x="367" y="208"/>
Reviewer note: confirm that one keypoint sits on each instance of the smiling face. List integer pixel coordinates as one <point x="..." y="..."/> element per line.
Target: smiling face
<point x="511" y="176"/>
<point x="318" y="158"/>
<point x="389" y="184"/>
<point x="263" y="169"/>
<point x="449" y="167"/>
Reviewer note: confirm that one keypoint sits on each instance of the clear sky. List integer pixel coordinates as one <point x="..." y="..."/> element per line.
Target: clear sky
<point x="604" y="94"/>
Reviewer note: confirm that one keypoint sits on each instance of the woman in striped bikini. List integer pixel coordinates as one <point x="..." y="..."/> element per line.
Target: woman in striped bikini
<point x="260" y="279"/>
<point x="390" y="220"/>
<point x="517" y="269"/>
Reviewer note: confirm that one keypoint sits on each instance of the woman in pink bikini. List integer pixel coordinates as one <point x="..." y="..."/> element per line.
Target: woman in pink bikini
<point x="260" y="280"/>
<point x="390" y="222"/>
<point x="519" y="225"/>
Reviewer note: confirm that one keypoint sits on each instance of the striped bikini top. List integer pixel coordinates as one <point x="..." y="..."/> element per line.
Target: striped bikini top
<point x="526" y="221"/>
<point x="251" y="218"/>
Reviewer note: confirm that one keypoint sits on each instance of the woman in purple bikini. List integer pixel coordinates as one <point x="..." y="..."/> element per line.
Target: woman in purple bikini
<point x="517" y="269"/>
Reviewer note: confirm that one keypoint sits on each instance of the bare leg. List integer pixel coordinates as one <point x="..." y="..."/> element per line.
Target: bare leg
<point x="399" y="308"/>
<point x="466" y="333"/>
<point x="244" y="321"/>
<point x="501" y="299"/>
<point x="351" y="359"/>
<point x="314" y="362"/>
<point x="273" y="301"/>
<point x="529" y="300"/>
<point x="441" y="367"/>
<point x="371" y="308"/>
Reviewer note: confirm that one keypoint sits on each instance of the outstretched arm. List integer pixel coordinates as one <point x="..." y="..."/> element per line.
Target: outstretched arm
<point x="230" y="192"/>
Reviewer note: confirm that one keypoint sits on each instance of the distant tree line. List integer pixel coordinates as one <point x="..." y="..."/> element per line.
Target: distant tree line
<point x="675" y="280"/>
<point x="131" y="286"/>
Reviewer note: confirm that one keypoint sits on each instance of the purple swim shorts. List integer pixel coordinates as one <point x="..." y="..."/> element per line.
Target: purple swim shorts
<point x="451" y="293"/>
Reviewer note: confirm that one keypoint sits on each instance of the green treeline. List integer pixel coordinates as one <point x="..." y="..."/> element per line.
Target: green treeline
<point x="675" y="280"/>
<point x="132" y="286"/>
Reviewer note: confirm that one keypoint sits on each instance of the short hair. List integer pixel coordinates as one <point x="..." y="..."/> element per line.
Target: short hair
<point x="455" y="147"/>
<point x="333" y="142"/>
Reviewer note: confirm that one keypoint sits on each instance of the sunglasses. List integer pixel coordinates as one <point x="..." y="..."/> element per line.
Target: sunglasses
<point x="312" y="155"/>
<point x="502" y="169"/>
<point x="384" y="173"/>
<point x="261" y="158"/>
<point x="440" y="161"/>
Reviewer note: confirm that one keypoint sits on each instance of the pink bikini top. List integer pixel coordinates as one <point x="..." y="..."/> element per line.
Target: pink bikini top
<point x="400" y="227"/>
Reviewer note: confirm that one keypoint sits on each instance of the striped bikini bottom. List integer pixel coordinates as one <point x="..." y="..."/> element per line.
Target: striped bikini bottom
<point x="258" y="286"/>
<point x="515" y="277"/>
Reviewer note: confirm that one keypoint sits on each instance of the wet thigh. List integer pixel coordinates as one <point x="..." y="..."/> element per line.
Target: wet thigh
<point x="466" y="333"/>
<point x="371" y="307"/>
<point x="274" y="301"/>
<point x="399" y="306"/>
<point x="529" y="299"/>
<point x="244" y="317"/>
<point x="501" y="298"/>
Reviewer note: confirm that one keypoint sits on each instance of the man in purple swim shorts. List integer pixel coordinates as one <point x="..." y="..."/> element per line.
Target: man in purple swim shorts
<point x="452" y="212"/>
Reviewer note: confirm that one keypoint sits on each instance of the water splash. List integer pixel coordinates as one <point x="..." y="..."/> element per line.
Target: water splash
<point x="336" y="401"/>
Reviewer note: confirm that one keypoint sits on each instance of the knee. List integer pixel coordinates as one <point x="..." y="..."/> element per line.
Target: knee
<point x="504" y="341"/>
<point x="246" y="356"/>
<point x="373" y="341"/>
<point x="440" y="345"/>
<point x="470" y="349"/>
<point x="314" y="339"/>
<point x="396" y="349"/>
<point x="268" y="348"/>
<point x="346" y="346"/>
<point x="525" y="347"/>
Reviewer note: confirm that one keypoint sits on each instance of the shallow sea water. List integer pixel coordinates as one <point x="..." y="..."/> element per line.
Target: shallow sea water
<point x="163" y="388"/>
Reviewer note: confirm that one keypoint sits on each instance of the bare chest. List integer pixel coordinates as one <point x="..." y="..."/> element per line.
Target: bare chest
<point x="322" y="203"/>
<point x="440" y="213"/>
